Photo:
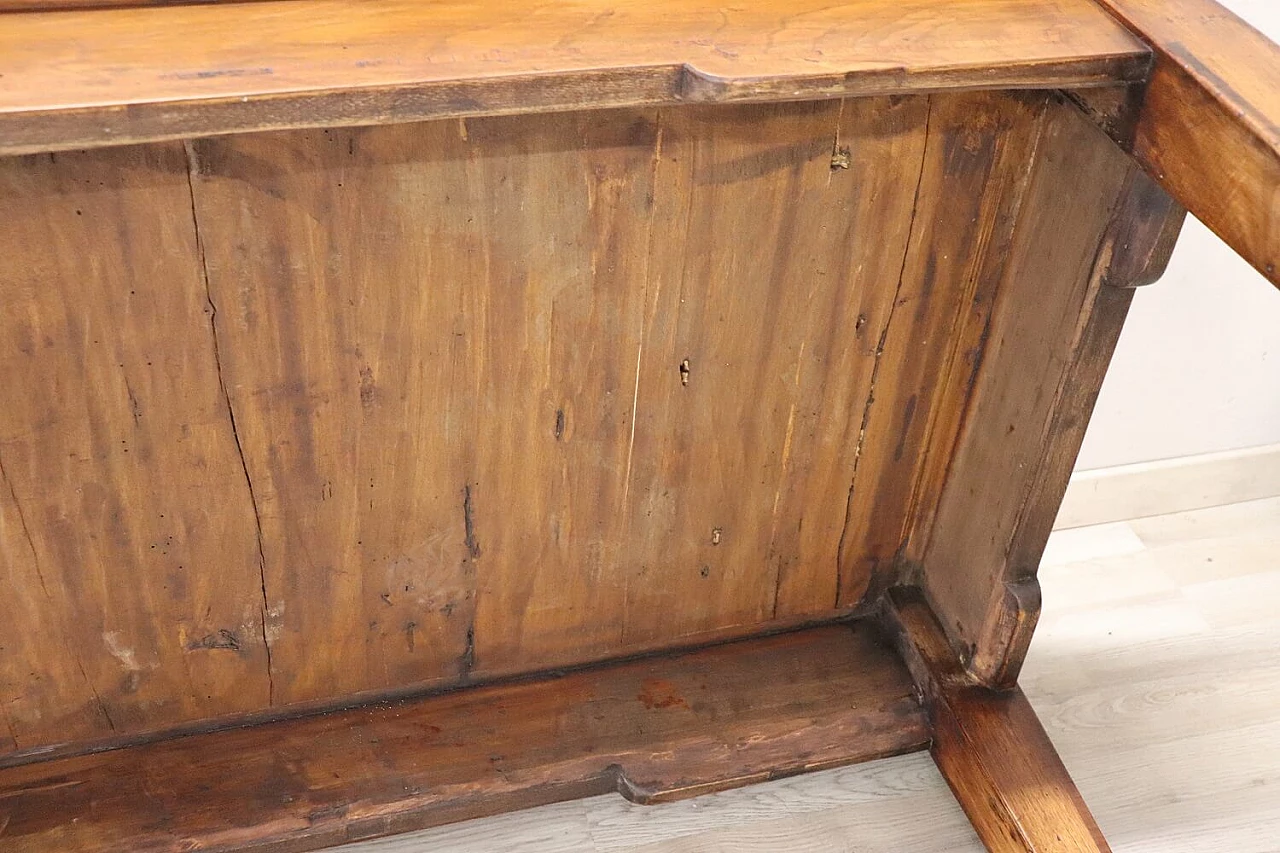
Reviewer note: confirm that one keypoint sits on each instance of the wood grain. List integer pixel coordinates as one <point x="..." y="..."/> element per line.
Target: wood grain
<point x="991" y="748"/>
<point x="884" y="141"/>
<point x="1147" y="655"/>
<point x="514" y="393"/>
<point x="492" y="386"/>
<point x="500" y="395"/>
<point x="653" y="729"/>
<point x="1143" y="232"/>
<point x="1208" y="128"/>
<point x="130" y="75"/>
<point x="329" y="312"/>
<point x="974" y="171"/>
<point x="778" y="254"/>
<point x="131" y="594"/>
<point x="1036" y="387"/>
<point x="64" y="5"/>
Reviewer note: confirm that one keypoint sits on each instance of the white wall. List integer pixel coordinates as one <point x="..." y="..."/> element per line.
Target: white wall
<point x="1197" y="369"/>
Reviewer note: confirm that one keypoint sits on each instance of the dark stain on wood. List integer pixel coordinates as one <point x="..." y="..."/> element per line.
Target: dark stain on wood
<point x="467" y="662"/>
<point x="659" y="693"/>
<point x="223" y="639"/>
<point x="469" y="523"/>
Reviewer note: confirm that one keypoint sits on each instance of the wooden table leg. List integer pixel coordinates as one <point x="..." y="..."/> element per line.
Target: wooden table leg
<point x="991" y="748"/>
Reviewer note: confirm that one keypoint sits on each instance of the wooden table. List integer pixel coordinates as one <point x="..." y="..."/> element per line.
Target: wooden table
<point x="415" y="410"/>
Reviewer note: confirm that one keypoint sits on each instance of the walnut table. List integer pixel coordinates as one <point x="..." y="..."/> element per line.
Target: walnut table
<point x="420" y="409"/>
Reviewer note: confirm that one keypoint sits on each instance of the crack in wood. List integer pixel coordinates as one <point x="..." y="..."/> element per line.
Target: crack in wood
<point x="97" y="698"/>
<point x="13" y="737"/>
<point x="469" y="523"/>
<point x="879" y="353"/>
<point x="192" y="171"/>
<point x="912" y="526"/>
<point x="467" y="661"/>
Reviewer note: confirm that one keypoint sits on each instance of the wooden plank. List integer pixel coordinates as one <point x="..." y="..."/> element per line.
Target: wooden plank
<point x="132" y="592"/>
<point x="885" y="141"/>
<point x="101" y="77"/>
<point x="991" y="748"/>
<point x="966" y="566"/>
<point x="1208" y="127"/>
<point x="401" y="309"/>
<point x="769" y="289"/>
<point x="60" y="5"/>
<point x="1135" y="251"/>
<point x="653" y="729"/>
<point x="1052" y="333"/>
<point x="1122" y="684"/>
<point x="332" y="309"/>
<point x="561" y="205"/>
<point x="975" y="167"/>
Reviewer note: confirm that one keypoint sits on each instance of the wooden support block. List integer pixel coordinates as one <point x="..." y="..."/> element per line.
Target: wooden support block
<point x="654" y="729"/>
<point x="991" y="748"/>
<point x="1094" y="226"/>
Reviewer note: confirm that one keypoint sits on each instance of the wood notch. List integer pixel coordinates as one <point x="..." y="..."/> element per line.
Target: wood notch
<point x="654" y="729"/>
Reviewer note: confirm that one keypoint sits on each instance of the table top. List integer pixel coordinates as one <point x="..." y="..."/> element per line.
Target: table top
<point x="106" y="76"/>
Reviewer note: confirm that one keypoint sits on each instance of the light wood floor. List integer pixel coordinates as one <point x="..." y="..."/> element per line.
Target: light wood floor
<point x="1156" y="670"/>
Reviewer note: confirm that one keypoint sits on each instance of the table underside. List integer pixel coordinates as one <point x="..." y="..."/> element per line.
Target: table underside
<point x="364" y="393"/>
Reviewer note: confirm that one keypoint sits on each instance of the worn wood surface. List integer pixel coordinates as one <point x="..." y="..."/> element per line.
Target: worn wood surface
<point x="653" y="729"/>
<point x="434" y="404"/>
<point x="486" y="405"/>
<point x="130" y="588"/>
<point x="532" y="330"/>
<point x="1143" y="232"/>
<point x="491" y="395"/>
<point x="74" y="79"/>
<point x="973" y="178"/>
<point x="61" y="5"/>
<point x="733" y="466"/>
<point x="1036" y="385"/>
<point x="990" y="746"/>
<point x="1156" y="649"/>
<point x="1208" y="127"/>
